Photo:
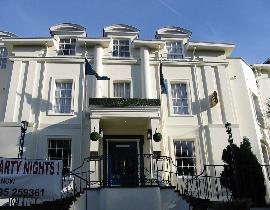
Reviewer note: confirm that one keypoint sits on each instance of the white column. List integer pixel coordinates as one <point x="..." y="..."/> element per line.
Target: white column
<point x="146" y="73"/>
<point x="94" y="126"/>
<point x="35" y="93"/>
<point x="94" y="147"/>
<point x="226" y="95"/>
<point x="99" y="69"/>
<point x="27" y="95"/>
<point x="12" y="93"/>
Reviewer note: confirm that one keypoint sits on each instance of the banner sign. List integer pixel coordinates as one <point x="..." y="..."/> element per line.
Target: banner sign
<point x="30" y="178"/>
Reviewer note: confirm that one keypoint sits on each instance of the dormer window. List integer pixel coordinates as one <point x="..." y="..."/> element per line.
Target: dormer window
<point x="67" y="46"/>
<point x="121" y="48"/>
<point x="174" y="50"/>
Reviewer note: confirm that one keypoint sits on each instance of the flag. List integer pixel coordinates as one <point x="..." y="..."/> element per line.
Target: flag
<point x="161" y="81"/>
<point x="90" y="71"/>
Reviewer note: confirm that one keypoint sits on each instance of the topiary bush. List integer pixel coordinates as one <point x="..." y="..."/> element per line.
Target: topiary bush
<point x="94" y="136"/>
<point x="123" y="102"/>
<point x="157" y="137"/>
<point x="243" y="173"/>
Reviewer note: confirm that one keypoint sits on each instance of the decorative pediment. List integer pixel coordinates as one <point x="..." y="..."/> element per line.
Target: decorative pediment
<point x="172" y="31"/>
<point x="68" y="29"/>
<point x="120" y="29"/>
<point x="6" y="34"/>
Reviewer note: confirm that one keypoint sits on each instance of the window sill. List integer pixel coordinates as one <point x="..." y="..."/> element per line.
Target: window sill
<point x="182" y="115"/>
<point x="175" y="59"/>
<point x="67" y="56"/>
<point x="186" y="176"/>
<point x="60" y="114"/>
<point x="122" y="58"/>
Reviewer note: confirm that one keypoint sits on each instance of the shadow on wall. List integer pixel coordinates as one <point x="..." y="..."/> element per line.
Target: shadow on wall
<point x="74" y="127"/>
<point x="36" y="139"/>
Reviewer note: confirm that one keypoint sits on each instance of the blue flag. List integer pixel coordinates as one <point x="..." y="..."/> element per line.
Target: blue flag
<point x="161" y="81"/>
<point x="90" y="71"/>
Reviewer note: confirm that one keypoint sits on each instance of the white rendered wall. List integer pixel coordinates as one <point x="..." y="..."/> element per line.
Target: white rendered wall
<point x="243" y="84"/>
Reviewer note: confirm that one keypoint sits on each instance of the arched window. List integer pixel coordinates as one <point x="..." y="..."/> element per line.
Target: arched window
<point x="3" y="57"/>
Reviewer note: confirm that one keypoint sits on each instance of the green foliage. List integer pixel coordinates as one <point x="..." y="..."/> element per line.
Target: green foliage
<point x="243" y="174"/>
<point x="123" y="102"/>
<point x="94" y="136"/>
<point x="157" y="137"/>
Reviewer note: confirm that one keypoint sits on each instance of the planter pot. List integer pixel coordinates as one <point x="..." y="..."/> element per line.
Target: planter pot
<point x="157" y="137"/>
<point x="94" y="136"/>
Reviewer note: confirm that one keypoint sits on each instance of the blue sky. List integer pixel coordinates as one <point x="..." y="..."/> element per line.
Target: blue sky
<point x="242" y="22"/>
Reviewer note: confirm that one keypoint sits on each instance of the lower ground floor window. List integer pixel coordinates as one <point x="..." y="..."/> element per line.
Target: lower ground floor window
<point x="60" y="149"/>
<point x="185" y="157"/>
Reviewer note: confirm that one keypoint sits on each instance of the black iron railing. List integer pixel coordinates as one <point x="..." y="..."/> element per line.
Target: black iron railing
<point x="147" y="170"/>
<point x="206" y="185"/>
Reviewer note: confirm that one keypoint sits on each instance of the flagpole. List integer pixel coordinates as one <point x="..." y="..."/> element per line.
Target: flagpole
<point x="85" y="86"/>
<point x="162" y="106"/>
<point x="85" y="56"/>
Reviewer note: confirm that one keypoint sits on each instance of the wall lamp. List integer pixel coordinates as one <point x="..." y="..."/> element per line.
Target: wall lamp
<point x="101" y="132"/>
<point x="149" y="134"/>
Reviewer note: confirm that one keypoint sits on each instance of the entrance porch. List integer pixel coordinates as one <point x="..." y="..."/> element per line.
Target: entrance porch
<point x="126" y="152"/>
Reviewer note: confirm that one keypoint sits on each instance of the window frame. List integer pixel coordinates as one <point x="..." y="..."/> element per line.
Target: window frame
<point x="189" y="99"/>
<point x="118" y="39"/>
<point x="182" y="55"/>
<point x="3" y="57"/>
<point x="65" y="38"/>
<point x="52" y="89"/>
<point x="61" y="138"/>
<point x="195" y="151"/>
<point x="122" y="81"/>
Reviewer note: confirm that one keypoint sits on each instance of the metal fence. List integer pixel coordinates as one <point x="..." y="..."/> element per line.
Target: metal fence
<point x="145" y="170"/>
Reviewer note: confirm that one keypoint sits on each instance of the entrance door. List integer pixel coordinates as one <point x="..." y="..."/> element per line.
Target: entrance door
<point x="122" y="163"/>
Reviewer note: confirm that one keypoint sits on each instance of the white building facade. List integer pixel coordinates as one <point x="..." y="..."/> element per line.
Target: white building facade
<point x="43" y="81"/>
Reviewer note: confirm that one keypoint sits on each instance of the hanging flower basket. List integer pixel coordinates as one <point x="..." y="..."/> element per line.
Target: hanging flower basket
<point x="157" y="137"/>
<point x="94" y="136"/>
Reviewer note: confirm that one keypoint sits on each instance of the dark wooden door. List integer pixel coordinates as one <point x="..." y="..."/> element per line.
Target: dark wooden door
<point x="122" y="164"/>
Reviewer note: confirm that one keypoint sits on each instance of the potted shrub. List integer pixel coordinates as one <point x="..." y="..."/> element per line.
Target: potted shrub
<point x="94" y="136"/>
<point x="157" y="137"/>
